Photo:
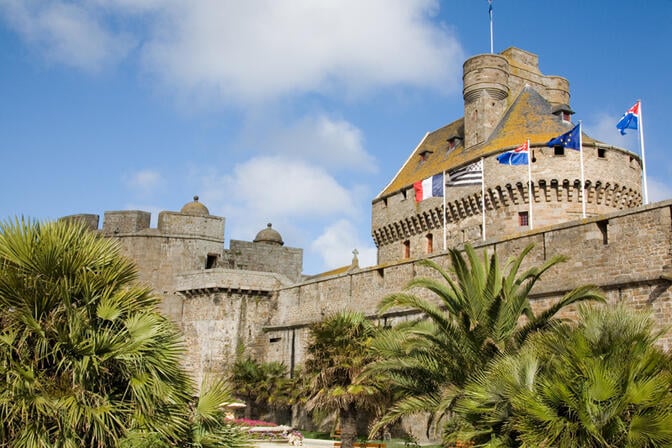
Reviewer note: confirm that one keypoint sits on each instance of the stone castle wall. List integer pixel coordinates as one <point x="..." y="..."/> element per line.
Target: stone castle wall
<point x="180" y="243"/>
<point x="224" y="312"/>
<point x="252" y="256"/>
<point x="398" y="219"/>
<point x="627" y="253"/>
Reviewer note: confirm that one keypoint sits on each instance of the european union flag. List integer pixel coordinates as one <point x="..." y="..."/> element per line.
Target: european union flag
<point x="630" y="119"/>
<point x="571" y="139"/>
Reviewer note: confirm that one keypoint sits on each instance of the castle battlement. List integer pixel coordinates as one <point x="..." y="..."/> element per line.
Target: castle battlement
<point x="507" y="102"/>
<point x="253" y="297"/>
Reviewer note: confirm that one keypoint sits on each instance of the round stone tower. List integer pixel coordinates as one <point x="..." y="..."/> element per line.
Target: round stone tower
<point x="486" y="89"/>
<point x="557" y="90"/>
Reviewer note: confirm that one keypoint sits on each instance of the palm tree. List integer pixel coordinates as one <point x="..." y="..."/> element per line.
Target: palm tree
<point x="208" y="427"/>
<point x="601" y="383"/>
<point x="207" y="420"/>
<point x="475" y="315"/>
<point x="337" y="354"/>
<point x="84" y="354"/>
<point x="262" y="385"/>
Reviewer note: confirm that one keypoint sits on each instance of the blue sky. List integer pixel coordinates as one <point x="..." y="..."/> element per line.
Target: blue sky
<point x="295" y="112"/>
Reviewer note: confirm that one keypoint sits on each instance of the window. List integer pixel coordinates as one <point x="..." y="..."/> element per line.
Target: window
<point x="407" y="249"/>
<point x="523" y="219"/>
<point x="601" y="153"/>
<point x="211" y="261"/>
<point x="430" y="243"/>
<point x="566" y="116"/>
<point x="453" y="142"/>
<point x="274" y="340"/>
<point x="559" y="150"/>
<point x="424" y="155"/>
<point x="602" y="225"/>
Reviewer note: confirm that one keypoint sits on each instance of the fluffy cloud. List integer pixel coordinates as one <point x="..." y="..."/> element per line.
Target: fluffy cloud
<point x="67" y="33"/>
<point x="337" y="242"/>
<point x="319" y="139"/>
<point x="251" y="51"/>
<point x="281" y="186"/>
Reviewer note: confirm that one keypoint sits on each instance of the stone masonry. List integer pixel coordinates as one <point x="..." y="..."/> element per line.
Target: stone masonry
<point x="252" y="297"/>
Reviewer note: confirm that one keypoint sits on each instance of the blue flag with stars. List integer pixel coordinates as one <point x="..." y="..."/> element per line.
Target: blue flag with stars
<point x="569" y="139"/>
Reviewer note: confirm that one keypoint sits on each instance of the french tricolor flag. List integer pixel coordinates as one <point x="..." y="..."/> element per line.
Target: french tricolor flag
<point x="429" y="188"/>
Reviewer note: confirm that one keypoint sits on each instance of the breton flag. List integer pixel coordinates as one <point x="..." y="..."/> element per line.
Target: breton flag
<point x="630" y="119"/>
<point x="518" y="156"/>
<point x="571" y="139"/>
<point x="429" y="188"/>
<point x="467" y="175"/>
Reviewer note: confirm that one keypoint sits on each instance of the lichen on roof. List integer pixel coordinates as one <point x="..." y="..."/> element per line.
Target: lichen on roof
<point x="530" y="116"/>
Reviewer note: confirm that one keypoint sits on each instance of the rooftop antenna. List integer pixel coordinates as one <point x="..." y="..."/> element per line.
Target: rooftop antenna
<point x="492" y="49"/>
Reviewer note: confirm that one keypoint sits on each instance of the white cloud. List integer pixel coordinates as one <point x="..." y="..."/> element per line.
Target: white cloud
<point x="285" y="187"/>
<point x="67" y="33"/>
<point x="143" y="182"/>
<point x="325" y="141"/>
<point x="249" y="51"/>
<point x="336" y="245"/>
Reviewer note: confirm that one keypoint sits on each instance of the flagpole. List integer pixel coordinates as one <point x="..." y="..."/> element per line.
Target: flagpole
<point x="583" y="180"/>
<point x="492" y="47"/>
<point x="445" y="243"/>
<point x="641" y="145"/>
<point x="530" y="195"/>
<point x="483" y="194"/>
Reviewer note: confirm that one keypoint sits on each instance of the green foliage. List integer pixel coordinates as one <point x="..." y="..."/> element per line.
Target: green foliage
<point x="338" y="352"/>
<point x="84" y="354"/>
<point x="262" y="385"/>
<point x="601" y="383"/>
<point x="473" y="317"/>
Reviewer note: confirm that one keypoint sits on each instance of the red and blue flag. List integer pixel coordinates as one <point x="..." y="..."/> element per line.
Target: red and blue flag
<point x="429" y="188"/>
<point x="518" y="156"/>
<point x="630" y="119"/>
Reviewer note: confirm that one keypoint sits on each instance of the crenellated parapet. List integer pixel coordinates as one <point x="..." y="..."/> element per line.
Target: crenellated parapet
<point x="403" y="228"/>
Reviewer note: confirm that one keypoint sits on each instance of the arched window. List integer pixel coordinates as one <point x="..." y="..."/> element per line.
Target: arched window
<point x="430" y="243"/>
<point x="407" y="249"/>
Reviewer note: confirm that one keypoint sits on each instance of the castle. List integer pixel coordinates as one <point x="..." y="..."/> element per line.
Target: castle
<point x="253" y="296"/>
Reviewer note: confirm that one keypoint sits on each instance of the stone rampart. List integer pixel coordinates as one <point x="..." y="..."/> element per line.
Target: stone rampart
<point x="627" y="253"/>
<point x="265" y="257"/>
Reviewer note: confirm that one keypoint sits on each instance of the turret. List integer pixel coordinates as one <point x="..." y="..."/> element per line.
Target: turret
<point x="486" y="89"/>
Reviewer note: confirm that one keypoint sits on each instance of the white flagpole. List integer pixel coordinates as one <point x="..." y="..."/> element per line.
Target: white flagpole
<point x="445" y="242"/>
<point x="492" y="47"/>
<point x="640" y="125"/>
<point x="583" y="181"/>
<point x="530" y="195"/>
<point x="483" y="194"/>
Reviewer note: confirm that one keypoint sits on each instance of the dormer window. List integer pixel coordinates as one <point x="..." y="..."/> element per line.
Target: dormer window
<point x="424" y="155"/>
<point x="453" y="142"/>
<point x="564" y="112"/>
